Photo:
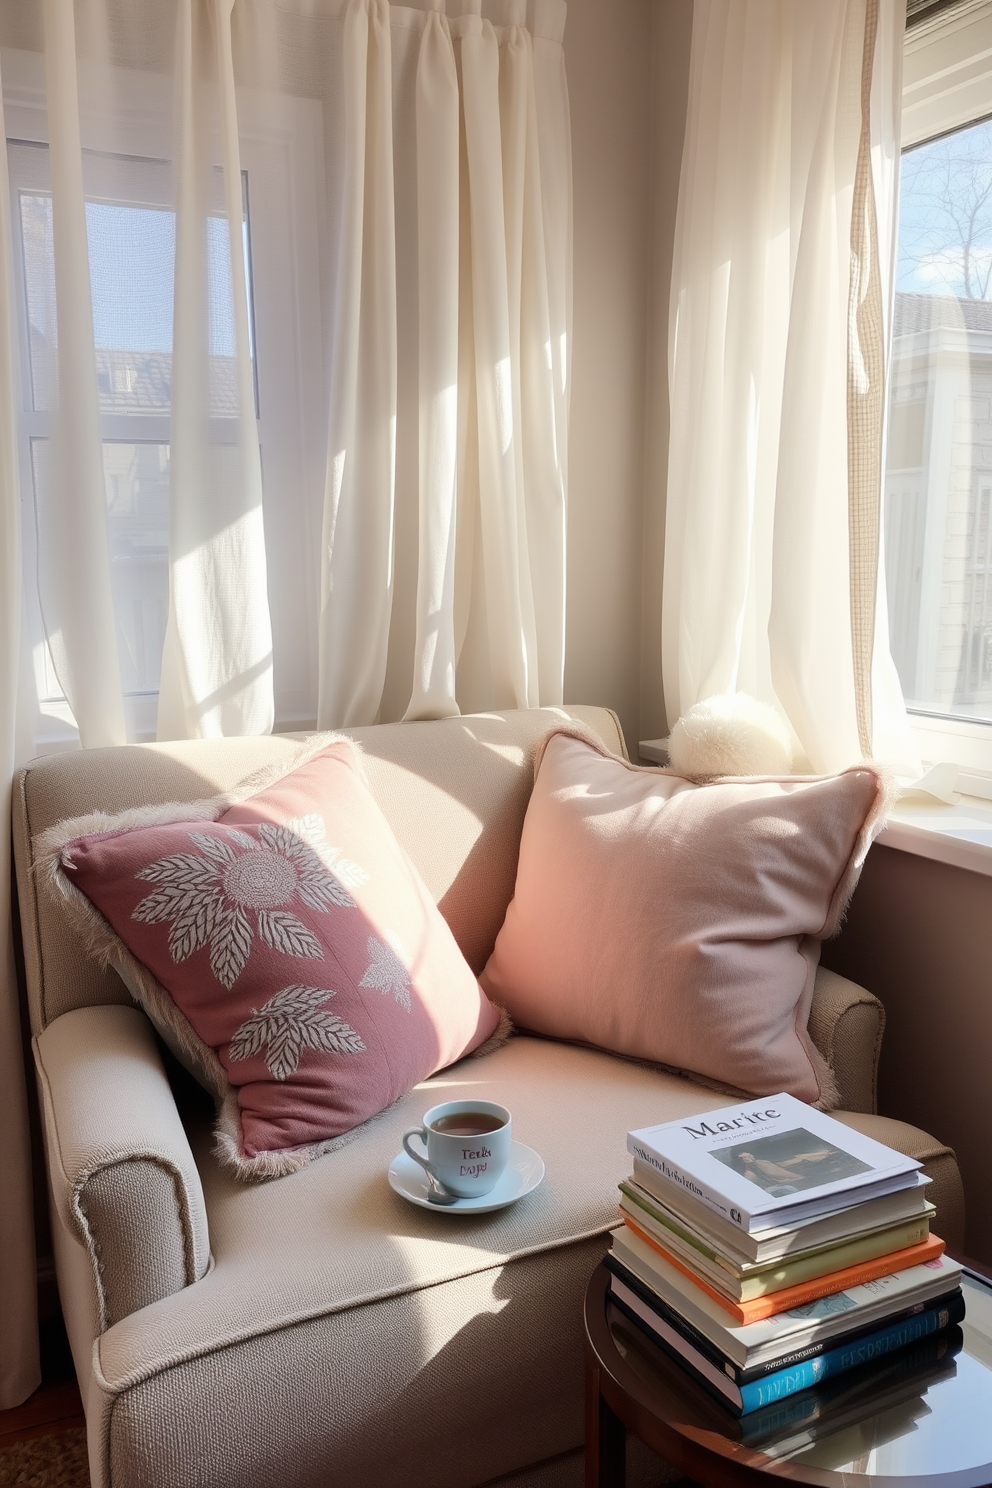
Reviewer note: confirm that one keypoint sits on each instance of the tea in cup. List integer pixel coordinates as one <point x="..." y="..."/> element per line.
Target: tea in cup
<point x="467" y="1145"/>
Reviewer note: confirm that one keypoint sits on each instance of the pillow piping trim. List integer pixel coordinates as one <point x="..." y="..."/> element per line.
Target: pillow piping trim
<point x="885" y="792"/>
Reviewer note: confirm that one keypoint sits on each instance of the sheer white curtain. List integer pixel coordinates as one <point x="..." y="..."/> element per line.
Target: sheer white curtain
<point x="19" y="1365"/>
<point x="781" y="293"/>
<point x="286" y="300"/>
<point x="455" y="407"/>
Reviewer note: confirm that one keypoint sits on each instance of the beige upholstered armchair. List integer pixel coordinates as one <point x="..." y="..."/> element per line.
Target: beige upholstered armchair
<point x="314" y="1330"/>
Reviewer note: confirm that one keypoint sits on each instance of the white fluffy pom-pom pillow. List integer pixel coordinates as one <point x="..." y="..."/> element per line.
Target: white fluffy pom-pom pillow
<point x="731" y="735"/>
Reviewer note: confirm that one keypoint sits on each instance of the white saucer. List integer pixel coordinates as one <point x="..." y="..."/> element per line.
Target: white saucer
<point x="523" y="1173"/>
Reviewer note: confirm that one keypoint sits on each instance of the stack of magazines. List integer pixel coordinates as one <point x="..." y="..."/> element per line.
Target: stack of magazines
<point x="769" y="1247"/>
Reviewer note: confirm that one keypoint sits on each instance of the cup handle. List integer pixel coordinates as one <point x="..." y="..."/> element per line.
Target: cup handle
<point x="417" y="1131"/>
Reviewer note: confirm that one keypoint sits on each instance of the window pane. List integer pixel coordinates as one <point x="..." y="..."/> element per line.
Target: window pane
<point x="938" y="485"/>
<point x="132" y="266"/>
<point x="137" y="487"/>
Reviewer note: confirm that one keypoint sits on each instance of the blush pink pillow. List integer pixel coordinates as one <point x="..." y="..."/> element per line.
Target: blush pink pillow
<point x="681" y="922"/>
<point x="286" y="948"/>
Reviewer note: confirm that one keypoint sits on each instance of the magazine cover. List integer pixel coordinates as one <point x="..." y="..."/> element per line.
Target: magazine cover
<point x="770" y="1158"/>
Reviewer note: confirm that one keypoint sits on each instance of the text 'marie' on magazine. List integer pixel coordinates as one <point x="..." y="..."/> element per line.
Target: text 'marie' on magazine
<point x="771" y="1161"/>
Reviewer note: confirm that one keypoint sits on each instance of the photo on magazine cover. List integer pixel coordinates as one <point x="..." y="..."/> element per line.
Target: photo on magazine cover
<point x="789" y="1162"/>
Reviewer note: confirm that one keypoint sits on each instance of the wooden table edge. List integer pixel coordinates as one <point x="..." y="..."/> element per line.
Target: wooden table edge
<point x="617" y="1405"/>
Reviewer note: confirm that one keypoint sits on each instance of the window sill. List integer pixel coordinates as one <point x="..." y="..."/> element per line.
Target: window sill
<point x="959" y="835"/>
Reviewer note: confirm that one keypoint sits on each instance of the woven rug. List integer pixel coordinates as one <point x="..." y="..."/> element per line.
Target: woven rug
<point x="57" y="1461"/>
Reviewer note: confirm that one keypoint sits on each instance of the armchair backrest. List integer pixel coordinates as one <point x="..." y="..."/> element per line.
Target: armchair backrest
<point x="454" y="790"/>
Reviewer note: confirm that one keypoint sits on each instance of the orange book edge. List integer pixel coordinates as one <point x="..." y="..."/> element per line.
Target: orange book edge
<point x="806" y="1291"/>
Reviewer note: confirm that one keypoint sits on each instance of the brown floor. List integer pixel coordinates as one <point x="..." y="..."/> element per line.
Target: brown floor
<point x="56" y="1406"/>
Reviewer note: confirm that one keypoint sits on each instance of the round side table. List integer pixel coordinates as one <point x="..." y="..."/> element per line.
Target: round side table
<point x="934" y="1430"/>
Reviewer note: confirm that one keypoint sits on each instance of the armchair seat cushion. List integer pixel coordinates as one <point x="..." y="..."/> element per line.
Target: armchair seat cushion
<point x="284" y="1365"/>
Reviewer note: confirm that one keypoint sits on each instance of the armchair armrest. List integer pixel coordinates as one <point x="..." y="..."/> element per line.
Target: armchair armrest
<point x="122" y="1175"/>
<point x="846" y="1024"/>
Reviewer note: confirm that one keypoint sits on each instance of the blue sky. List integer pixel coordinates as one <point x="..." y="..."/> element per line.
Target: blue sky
<point x="132" y="258"/>
<point x="945" y="227"/>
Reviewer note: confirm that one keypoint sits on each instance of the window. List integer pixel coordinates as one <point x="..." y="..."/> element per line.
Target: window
<point x="938" y="475"/>
<point x="131" y="246"/>
<point x="131" y="242"/>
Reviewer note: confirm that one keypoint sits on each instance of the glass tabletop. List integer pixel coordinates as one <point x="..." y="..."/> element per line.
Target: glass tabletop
<point x="925" y="1412"/>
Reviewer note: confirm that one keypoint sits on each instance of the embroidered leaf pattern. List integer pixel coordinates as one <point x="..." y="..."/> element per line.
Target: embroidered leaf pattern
<point x="242" y="839"/>
<point x="309" y="828"/>
<point x="214" y="847"/>
<point x="239" y="885"/>
<point x="293" y="1020"/>
<point x="386" y="972"/>
<point x="348" y="871"/>
<point x="183" y="869"/>
<point x="230" y="945"/>
<point x="284" y="932"/>
<point x="316" y="887"/>
<point x="192" y="927"/>
<point x="317" y="895"/>
<point x="167" y="902"/>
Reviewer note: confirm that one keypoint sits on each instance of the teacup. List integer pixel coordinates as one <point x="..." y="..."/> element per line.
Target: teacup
<point x="468" y="1145"/>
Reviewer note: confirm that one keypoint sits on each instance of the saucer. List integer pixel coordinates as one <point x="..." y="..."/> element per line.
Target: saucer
<point x="521" y="1176"/>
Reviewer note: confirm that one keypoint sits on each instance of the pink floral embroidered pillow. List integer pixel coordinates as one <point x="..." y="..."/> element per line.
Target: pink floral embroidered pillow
<point x="677" y="921"/>
<point x="286" y="948"/>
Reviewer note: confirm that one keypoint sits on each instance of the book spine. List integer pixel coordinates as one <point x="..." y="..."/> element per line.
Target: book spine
<point x="747" y="1282"/>
<point x="716" y="1230"/>
<point x="746" y="1374"/>
<point x="656" y="1216"/>
<point x="849" y="1355"/>
<point x="797" y="1296"/>
<point x="676" y="1177"/>
<point x="695" y="1364"/>
<point x="658" y="1304"/>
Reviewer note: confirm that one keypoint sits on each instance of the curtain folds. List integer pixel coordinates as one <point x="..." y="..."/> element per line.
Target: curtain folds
<point x="285" y="318"/>
<point x="357" y="545"/>
<point x="74" y="564"/>
<point x="438" y="122"/>
<point x="20" y="1371"/>
<point x="217" y="655"/>
<point x="781" y="294"/>
<point x="452" y="413"/>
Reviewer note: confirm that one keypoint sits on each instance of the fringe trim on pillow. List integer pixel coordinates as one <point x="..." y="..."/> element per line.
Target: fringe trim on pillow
<point x="829" y="1090"/>
<point x="503" y="1031"/>
<point x="108" y="950"/>
<point x="279" y="1162"/>
<point x="48" y="845"/>
<point x="885" y="796"/>
<point x="104" y="945"/>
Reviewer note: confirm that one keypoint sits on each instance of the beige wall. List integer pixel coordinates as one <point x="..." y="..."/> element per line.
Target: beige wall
<point x="627" y="64"/>
<point x="671" y="38"/>
<point x="919" y="935"/>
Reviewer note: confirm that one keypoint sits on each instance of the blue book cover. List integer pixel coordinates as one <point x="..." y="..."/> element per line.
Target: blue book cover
<point x="849" y="1355"/>
<point x="692" y="1342"/>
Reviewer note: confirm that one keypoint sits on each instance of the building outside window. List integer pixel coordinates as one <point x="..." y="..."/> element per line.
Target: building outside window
<point x="938" y="477"/>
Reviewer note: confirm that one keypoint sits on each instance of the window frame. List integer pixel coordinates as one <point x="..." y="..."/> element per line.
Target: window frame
<point x="947" y="85"/>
